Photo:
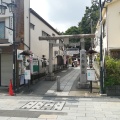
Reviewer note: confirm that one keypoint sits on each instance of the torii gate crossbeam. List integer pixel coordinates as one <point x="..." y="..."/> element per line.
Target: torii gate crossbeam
<point x="67" y="36"/>
<point x="50" y="38"/>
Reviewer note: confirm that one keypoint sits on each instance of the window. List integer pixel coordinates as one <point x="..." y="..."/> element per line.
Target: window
<point x="2" y="30"/>
<point x="53" y="34"/>
<point x="45" y="34"/>
<point x="32" y="26"/>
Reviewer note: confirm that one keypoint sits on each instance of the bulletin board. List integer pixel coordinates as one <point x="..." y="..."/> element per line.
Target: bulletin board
<point x="91" y="74"/>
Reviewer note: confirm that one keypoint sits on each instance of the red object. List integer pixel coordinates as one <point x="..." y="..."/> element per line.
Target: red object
<point x="11" y="93"/>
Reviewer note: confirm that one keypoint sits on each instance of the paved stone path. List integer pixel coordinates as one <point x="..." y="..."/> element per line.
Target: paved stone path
<point x="75" y="108"/>
<point x="66" y="83"/>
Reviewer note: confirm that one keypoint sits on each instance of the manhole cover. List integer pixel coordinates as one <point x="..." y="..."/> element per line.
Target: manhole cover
<point x="40" y="105"/>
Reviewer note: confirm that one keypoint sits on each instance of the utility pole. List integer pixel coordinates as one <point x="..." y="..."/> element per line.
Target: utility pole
<point x="14" y="54"/>
<point x="101" y="57"/>
<point x="91" y="24"/>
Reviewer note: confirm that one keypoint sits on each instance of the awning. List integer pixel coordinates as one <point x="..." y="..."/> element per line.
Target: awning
<point x="91" y="51"/>
<point x="6" y="44"/>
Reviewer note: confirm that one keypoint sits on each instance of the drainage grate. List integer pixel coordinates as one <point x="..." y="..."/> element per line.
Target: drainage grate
<point x="40" y="105"/>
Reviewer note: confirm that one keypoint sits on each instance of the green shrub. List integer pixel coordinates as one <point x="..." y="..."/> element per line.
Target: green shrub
<point x="112" y="76"/>
<point x="98" y="58"/>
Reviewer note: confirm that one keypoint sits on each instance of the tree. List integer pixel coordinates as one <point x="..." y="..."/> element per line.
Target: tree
<point x="71" y="31"/>
<point x="90" y="17"/>
<point x="84" y="26"/>
<point x="91" y="13"/>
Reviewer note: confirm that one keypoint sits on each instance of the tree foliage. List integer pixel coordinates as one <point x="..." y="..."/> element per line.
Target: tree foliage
<point x="91" y="15"/>
<point x="89" y="19"/>
<point x="71" y="31"/>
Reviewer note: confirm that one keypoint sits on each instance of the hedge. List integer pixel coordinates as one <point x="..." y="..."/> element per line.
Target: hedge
<point x="112" y="68"/>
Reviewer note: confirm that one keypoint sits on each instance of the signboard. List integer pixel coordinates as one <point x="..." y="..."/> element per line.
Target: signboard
<point x="27" y="75"/>
<point x="11" y="22"/>
<point x="34" y="66"/>
<point x="19" y="57"/>
<point x="66" y="41"/>
<point x="21" y="79"/>
<point x="90" y="74"/>
<point x="72" y="51"/>
<point x="64" y="52"/>
<point x="8" y="31"/>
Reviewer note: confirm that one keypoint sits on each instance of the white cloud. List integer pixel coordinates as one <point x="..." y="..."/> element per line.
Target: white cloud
<point x="61" y="14"/>
<point x="41" y="7"/>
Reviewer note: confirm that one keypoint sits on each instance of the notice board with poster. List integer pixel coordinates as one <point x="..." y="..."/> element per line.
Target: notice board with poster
<point x="91" y="74"/>
<point x="27" y="75"/>
<point x="34" y="66"/>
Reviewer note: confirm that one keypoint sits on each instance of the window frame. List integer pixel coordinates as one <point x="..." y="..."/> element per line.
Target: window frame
<point x="45" y="34"/>
<point x="32" y="26"/>
<point x="4" y="29"/>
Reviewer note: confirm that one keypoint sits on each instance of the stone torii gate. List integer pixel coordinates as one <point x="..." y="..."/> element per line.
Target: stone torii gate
<point x="65" y="38"/>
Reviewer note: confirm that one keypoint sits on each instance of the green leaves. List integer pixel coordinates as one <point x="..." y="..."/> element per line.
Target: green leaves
<point x="84" y="26"/>
<point x="112" y="71"/>
<point x="91" y="13"/>
<point x="73" y="30"/>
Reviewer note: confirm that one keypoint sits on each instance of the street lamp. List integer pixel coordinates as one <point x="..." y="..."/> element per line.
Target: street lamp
<point x="11" y="7"/>
<point x="99" y="2"/>
<point x="2" y="9"/>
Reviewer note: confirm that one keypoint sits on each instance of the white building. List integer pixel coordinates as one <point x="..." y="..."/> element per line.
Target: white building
<point x="110" y="29"/>
<point x="29" y="26"/>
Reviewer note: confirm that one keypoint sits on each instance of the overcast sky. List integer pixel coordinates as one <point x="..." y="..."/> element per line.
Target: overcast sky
<point x="61" y="14"/>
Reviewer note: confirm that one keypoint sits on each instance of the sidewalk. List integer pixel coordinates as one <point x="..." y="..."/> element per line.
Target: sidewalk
<point x="45" y="103"/>
<point x="69" y="108"/>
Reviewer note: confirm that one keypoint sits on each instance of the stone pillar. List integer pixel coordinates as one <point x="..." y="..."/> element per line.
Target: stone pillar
<point x="50" y="75"/>
<point x="82" y="43"/>
<point x="65" y="54"/>
<point x="50" y="58"/>
<point x="83" y="66"/>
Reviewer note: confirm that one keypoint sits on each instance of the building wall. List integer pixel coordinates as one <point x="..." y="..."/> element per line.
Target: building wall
<point x="7" y="51"/>
<point x="7" y="19"/>
<point x="6" y="69"/>
<point x="19" y="24"/>
<point x="26" y="24"/>
<point x="40" y="47"/>
<point x="19" y="19"/>
<point x="111" y="18"/>
<point x="97" y="39"/>
<point x="104" y="30"/>
<point x="113" y="24"/>
<point x="22" y="20"/>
